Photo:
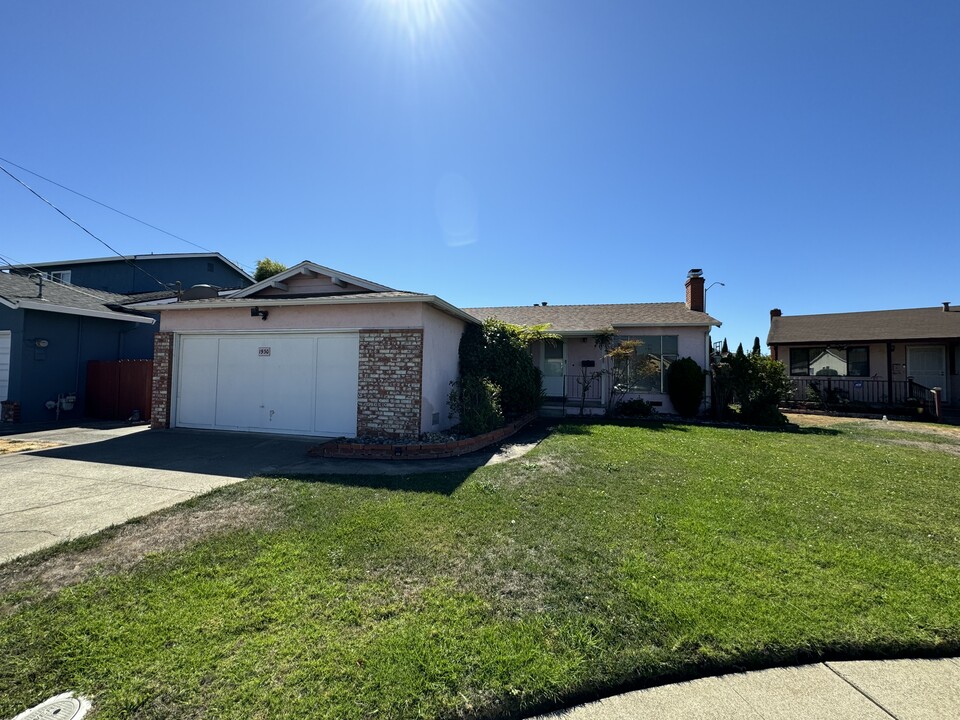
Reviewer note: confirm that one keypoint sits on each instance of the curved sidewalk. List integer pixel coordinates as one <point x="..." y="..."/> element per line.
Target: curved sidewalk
<point x="850" y="690"/>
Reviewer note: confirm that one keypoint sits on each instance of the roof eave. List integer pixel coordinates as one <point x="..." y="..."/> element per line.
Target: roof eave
<point x="85" y="312"/>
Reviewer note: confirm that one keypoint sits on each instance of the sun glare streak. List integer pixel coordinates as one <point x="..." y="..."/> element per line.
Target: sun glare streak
<point x="415" y="17"/>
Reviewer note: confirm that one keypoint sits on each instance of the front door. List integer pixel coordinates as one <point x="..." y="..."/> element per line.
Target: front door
<point x="553" y="366"/>
<point x="927" y="365"/>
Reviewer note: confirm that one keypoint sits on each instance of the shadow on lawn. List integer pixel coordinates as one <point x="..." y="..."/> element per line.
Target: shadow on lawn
<point x="439" y="483"/>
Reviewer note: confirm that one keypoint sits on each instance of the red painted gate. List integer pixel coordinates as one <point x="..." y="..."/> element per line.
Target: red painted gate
<point x="115" y="388"/>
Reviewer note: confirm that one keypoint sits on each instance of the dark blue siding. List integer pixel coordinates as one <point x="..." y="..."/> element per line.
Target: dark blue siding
<point x="61" y="367"/>
<point x="119" y="277"/>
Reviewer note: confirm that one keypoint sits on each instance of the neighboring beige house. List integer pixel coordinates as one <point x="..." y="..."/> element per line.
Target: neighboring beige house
<point x="314" y="351"/>
<point x="666" y="331"/>
<point x="879" y="357"/>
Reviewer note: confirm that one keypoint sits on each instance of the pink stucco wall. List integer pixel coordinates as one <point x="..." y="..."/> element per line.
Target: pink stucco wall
<point x="296" y="317"/>
<point x="441" y="344"/>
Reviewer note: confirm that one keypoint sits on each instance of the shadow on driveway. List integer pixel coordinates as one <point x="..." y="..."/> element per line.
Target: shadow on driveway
<point x="202" y="452"/>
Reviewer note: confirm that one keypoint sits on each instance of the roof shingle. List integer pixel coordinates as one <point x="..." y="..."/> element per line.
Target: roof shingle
<point x="587" y="318"/>
<point x="878" y="325"/>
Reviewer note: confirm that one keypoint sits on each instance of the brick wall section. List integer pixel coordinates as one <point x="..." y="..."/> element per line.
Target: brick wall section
<point x="391" y="375"/>
<point x="162" y="379"/>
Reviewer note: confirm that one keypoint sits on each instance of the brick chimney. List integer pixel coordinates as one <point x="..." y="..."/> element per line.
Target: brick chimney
<point x="696" y="299"/>
<point x="776" y="312"/>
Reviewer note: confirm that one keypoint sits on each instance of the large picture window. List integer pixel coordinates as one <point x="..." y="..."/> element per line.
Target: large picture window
<point x="827" y="361"/>
<point x="646" y="369"/>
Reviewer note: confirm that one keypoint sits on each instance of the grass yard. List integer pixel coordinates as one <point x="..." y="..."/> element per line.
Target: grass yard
<point x="608" y="558"/>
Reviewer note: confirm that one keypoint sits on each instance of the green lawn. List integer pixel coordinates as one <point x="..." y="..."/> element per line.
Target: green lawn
<point x="607" y="558"/>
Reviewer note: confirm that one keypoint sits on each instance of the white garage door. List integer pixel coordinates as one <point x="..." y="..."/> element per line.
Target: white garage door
<point x="4" y="363"/>
<point x="297" y="384"/>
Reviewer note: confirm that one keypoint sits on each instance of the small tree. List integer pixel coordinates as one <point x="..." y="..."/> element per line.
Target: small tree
<point x="759" y="383"/>
<point x="267" y="268"/>
<point x="685" y="384"/>
<point x="724" y="350"/>
<point x="756" y="346"/>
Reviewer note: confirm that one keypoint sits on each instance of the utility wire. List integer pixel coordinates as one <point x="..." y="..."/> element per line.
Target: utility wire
<point x="102" y="242"/>
<point x="13" y="262"/>
<point x="113" y="209"/>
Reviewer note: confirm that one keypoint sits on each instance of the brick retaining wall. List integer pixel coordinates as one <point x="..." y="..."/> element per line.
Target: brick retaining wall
<point x="418" y="451"/>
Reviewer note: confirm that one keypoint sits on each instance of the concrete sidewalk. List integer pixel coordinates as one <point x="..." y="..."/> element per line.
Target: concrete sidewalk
<point x="854" y="690"/>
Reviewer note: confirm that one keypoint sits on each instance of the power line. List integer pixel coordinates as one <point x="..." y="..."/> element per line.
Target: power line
<point x="102" y="242"/>
<point x="113" y="209"/>
<point x="14" y="262"/>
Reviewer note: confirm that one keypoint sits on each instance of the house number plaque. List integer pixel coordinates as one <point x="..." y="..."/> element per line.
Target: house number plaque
<point x="264" y="352"/>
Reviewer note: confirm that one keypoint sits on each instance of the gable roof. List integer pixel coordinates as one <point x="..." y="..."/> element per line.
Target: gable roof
<point x="66" y="264"/>
<point x="873" y="326"/>
<point x="589" y="318"/>
<point x="311" y="269"/>
<point x="389" y="296"/>
<point x="22" y="292"/>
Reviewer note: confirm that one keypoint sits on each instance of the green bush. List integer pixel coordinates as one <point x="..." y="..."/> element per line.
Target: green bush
<point x="476" y="401"/>
<point x="636" y="408"/>
<point x="760" y="384"/>
<point x="685" y="384"/>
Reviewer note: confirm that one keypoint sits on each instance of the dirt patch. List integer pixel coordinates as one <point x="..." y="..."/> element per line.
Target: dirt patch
<point x="126" y="545"/>
<point x="15" y="446"/>
<point x="948" y="431"/>
<point x="920" y="445"/>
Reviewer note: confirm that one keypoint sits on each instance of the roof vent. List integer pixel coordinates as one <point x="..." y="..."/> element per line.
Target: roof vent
<point x="201" y="292"/>
<point x="543" y="304"/>
<point x="946" y="307"/>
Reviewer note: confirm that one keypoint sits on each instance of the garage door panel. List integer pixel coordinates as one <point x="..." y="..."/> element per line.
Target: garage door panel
<point x="338" y="364"/>
<point x="197" y="382"/>
<point x="304" y="384"/>
<point x="288" y="387"/>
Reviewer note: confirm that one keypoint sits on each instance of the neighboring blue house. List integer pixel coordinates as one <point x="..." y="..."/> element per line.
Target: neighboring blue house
<point x="47" y="337"/>
<point x="141" y="273"/>
<point x="84" y="312"/>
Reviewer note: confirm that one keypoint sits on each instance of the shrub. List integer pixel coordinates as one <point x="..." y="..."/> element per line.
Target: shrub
<point x="760" y="384"/>
<point x="636" y="408"/>
<point x="477" y="401"/>
<point x="685" y="383"/>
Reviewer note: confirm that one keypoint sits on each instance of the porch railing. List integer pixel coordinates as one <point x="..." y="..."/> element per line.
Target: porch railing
<point x="573" y="391"/>
<point x="832" y="392"/>
<point x="574" y="385"/>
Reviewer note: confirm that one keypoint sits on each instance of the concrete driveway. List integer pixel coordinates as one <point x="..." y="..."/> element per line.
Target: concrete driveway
<point x="104" y="475"/>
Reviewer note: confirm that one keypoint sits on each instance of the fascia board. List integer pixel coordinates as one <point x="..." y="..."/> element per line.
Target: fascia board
<point x="66" y="310"/>
<point x="432" y="300"/>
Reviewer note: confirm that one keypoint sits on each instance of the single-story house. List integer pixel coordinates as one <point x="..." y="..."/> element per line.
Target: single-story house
<point x="315" y="351"/>
<point x="49" y="331"/>
<point x="877" y="357"/>
<point x="310" y="351"/>
<point x="663" y="331"/>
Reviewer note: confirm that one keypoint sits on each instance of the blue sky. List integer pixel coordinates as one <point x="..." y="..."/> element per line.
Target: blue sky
<point x="806" y="154"/>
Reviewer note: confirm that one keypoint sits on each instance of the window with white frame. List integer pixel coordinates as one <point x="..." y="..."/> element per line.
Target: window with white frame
<point x="645" y="369"/>
<point x="835" y="361"/>
<point x="60" y="276"/>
